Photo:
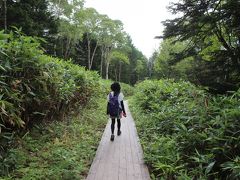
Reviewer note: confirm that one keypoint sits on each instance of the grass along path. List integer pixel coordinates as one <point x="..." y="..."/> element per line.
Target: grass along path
<point x="60" y="150"/>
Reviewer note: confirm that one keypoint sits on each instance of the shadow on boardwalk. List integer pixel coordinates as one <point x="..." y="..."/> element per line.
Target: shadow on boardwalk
<point x="121" y="159"/>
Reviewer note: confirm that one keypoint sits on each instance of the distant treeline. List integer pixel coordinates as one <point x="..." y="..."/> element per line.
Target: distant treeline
<point x="72" y="31"/>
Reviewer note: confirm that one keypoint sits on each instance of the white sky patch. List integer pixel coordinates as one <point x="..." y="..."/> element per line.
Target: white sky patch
<point x="141" y="18"/>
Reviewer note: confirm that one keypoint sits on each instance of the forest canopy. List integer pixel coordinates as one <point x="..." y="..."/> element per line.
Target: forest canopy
<point x="209" y="33"/>
<point x="72" y="31"/>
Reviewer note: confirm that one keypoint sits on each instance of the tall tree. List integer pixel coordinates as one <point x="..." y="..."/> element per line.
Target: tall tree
<point x="112" y="36"/>
<point x="3" y="14"/>
<point x="214" y="19"/>
<point x="118" y="58"/>
<point x="151" y="62"/>
<point x="132" y="75"/>
<point x="69" y="29"/>
<point x="105" y="40"/>
<point x="65" y="8"/>
<point x="32" y="16"/>
<point x="69" y="34"/>
<point x="167" y="57"/>
<point x="91" y="22"/>
<point x="139" y="68"/>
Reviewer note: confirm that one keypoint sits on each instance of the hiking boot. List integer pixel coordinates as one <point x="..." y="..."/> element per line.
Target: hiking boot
<point x="112" y="137"/>
<point x="119" y="133"/>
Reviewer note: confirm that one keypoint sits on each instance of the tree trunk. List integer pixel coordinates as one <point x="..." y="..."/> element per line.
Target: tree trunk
<point x="219" y="34"/>
<point x="62" y="47"/>
<point x="119" y="73"/>
<point x="107" y="66"/>
<point x="54" y="50"/>
<point x="59" y="10"/>
<point x="116" y="74"/>
<point x="89" y="52"/>
<point x="93" y="54"/>
<point x="102" y="55"/>
<point x="108" y="50"/>
<point x="67" y="48"/>
<point x="150" y="69"/>
<point x="5" y="15"/>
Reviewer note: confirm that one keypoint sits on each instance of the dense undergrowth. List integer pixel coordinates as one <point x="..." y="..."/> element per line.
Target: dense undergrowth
<point x="52" y="112"/>
<point x="126" y="89"/>
<point x="57" y="150"/>
<point x="187" y="133"/>
<point x="35" y="87"/>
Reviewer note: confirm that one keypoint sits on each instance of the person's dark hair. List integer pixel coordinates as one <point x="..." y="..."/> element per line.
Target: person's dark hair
<point x="115" y="87"/>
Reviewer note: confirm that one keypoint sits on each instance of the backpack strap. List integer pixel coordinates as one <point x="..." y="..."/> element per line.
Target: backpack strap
<point x="110" y="95"/>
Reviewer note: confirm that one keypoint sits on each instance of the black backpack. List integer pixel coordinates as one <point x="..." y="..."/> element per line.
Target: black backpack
<point x="113" y="105"/>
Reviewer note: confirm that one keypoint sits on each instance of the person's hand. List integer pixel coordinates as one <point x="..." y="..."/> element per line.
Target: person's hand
<point x="124" y="114"/>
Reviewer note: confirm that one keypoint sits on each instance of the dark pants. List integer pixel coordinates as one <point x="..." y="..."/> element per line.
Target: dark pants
<point x="113" y="124"/>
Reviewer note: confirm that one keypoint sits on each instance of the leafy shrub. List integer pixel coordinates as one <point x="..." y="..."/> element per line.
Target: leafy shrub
<point x="58" y="149"/>
<point x="126" y="89"/>
<point x="35" y="86"/>
<point x="187" y="133"/>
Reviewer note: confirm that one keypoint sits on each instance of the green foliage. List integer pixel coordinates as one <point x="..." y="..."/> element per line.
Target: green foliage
<point x="36" y="86"/>
<point x="140" y="68"/>
<point x="131" y="73"/>
<point x="64" y="7"/>
<point x="212" y="27"/>
<point x="169" y="63"/>
<point x="72" y="31"/>
<point x="126" y="89"/>
<point x="30" y="15"/>
<point x="118" y="56"/>
<point x="185" y="133"/>
<point x="57" y="150"/>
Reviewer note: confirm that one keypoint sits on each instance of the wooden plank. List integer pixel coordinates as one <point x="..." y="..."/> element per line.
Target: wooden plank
<point x="121" y="159"/>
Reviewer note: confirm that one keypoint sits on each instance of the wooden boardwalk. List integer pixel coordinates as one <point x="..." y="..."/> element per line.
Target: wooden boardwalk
<point x="122" y="158"/>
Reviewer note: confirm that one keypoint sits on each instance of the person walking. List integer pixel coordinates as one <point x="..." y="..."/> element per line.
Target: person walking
<point x="115" y="108"/>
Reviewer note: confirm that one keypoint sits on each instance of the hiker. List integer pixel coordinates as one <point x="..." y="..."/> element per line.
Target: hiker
<point x="115" y="107"/>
